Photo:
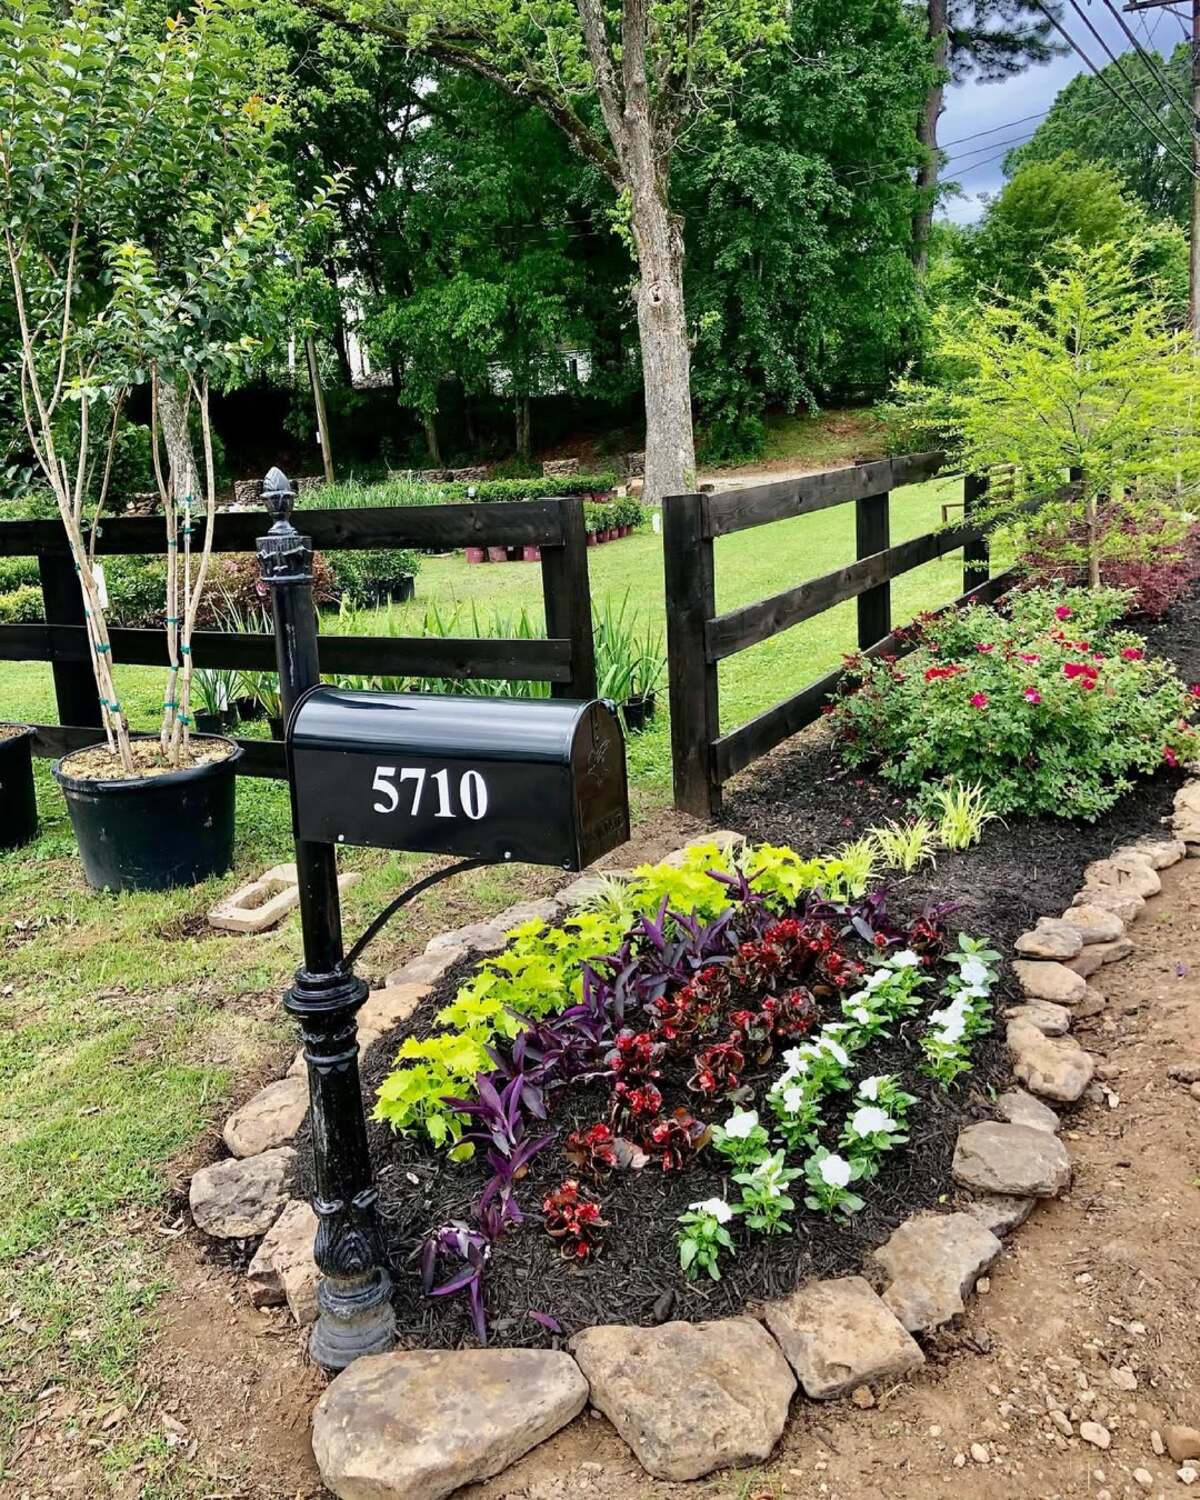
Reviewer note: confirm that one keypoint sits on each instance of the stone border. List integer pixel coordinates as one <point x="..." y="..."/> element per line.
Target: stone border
<point x="690" y="1398"/>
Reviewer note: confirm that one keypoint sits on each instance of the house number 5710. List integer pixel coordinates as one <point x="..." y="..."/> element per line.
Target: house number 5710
<point x="472" y="791"/>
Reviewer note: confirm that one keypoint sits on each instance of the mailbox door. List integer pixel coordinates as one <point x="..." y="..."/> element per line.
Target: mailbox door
<point x="467" y="806"/>
<point x="599" y="785"/>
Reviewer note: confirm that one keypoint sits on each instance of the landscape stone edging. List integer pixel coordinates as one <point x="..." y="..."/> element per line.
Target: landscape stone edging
<point x="1055" y="1068"/>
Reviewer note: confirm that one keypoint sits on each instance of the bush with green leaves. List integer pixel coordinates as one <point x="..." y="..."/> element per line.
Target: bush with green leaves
<point x="16" y="572"/>
<point x="374" y="576"/>
<point x="1048" y="719"/>
<point x="22" y="605"/>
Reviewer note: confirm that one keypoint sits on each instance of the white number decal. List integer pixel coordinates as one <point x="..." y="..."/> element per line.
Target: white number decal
<point x="414" y="773"/>
<point x="382" y="783"/>
<point x="442" y="781"/>
<point x="472" y="793"/>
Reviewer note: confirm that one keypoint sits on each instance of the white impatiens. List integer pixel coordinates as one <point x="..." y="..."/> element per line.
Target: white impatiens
<point x="834" y="1170"/>
<point x="869" y="1120"/>
<point x="966" y="1015"/>
<point x="741" y="1123"/>
<point x="713" y="1208"/>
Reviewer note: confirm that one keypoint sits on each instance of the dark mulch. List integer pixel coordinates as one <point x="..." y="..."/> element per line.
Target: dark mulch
<point x="799" y="796"/>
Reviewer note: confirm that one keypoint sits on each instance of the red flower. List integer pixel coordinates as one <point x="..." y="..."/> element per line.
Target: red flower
<point x="979" y="700"/>
<point x="984" y="646"/>
<point x="1073" y="669"/>
<point x="1088" y="684"/>
<point x="1195" y="690"/>
<point x="1029" y="656"/>
<point x="1131" y="653"/>
<point x="1064" y="612"/>
<point x="1032" y="695"/>
<point x="934" y="674"/>
<point x="1169" y="756"/>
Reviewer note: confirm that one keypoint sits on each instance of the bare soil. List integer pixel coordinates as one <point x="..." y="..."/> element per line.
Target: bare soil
<point x="12" y="731"/>
<point x="99" y="763"/>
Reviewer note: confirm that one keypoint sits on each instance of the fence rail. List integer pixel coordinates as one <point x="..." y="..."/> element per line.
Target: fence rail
<point x="698" y="638"/>
<point x="565" y="659"/>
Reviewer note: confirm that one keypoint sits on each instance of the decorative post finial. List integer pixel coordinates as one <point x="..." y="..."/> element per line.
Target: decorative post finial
<point x="279" y="497"/>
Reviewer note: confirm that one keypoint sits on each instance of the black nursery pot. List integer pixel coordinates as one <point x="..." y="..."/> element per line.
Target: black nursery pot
<point x="18" y="804"/>
<point x="275" y="726"/>
<point x="248" y="709"/>
<point x="153" y="832"/>
<point x="638" y="710"/>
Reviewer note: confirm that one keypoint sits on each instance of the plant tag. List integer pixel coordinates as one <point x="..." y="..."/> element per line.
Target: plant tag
<point x="101" y="586"/>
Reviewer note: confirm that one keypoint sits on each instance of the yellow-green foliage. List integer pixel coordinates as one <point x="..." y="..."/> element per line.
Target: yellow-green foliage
<point x="428" y="1072"/>
<point x="539" y="974"/>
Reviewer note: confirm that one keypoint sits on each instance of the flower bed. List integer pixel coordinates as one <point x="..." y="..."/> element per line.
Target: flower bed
<point x="1046" y="704"/>
<point x="761" y="1085"/>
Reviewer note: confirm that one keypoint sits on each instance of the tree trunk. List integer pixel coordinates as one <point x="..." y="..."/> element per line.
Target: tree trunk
<point x="429" y="424"/>
<point x="1092" y="524"/>
<point x="927" y="172"/>
<point x="184" y="475"/>
<point x="469" y="424"/>
<point x="523" y="427"/>
<point x="662" y="326"/>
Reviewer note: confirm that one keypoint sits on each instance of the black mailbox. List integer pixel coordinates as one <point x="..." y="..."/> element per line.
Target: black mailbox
<point x="537" y="780"/>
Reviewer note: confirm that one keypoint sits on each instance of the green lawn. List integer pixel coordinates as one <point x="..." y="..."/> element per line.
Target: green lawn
<point x="126" y="1023"/>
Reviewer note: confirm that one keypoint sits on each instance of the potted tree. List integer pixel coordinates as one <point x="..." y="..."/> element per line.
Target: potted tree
<point x="145" y="246"/>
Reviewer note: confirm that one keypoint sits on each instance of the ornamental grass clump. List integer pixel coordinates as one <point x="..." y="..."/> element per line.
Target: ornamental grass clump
<point x="1046" y="707"/>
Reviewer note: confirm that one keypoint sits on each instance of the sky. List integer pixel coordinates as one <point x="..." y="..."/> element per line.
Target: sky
<point x="975" y="159"/>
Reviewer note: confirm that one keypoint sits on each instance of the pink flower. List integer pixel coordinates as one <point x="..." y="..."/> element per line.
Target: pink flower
<point x="1063" y="612"/>
<point x="1195" y="690"/>
<point x="1082" y="669"/>
<point x="1169" y="756"/>
<point x="1032" y="695"/>
<point x="979" y="700"/>
<point x="984" y="646"/>
<point x="1088" y="684"/>
<point x="1131" y="653"/>
<point x="1028" y="656"/>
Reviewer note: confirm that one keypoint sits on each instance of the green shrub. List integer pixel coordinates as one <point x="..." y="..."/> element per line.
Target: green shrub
<point x="18" y="572"/>
<point x="738" y="437"/>
<point x="21" y="606"/>
<point x="1048" y="708"/>
<point x="366" y="578"/>
<point x="353" y="494"/>
<point x="137" y="590"/>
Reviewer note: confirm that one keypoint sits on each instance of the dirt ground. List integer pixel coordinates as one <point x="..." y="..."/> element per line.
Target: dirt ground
<point x="1102" y="1280"/>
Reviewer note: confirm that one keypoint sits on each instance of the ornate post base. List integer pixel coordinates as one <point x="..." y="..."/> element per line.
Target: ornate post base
<point x="354" y="1295"/>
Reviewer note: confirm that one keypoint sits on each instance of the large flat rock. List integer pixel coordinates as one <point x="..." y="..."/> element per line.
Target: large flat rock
<point x="838" y="1335"/>
<point x="1020" y="1160"/>
<point x="689" y="1398"/>
<point x="1042" y="980"/>
<point x="1052" y="938"/>
<point x="1096" y="923"/>
<point x="236" y="1199"/>
<point x="419" y="1424"/>
<point x="271" y="1118"/>
<point x="930" y="1263"/>
<point x="1021" y="1108"/>
<point x="1053" y="1067"/>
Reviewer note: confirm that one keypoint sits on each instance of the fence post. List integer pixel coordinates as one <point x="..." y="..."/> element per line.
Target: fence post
<point x="691" y="603"/>
<point x="74" y="681"/>
<point x="976" y="553"/>
<point x="872" y="533"/>
<point x="567" y="595"/>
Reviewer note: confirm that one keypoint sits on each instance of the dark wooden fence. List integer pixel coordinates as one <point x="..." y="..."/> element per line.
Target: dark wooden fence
<point x="566" y="659"/>
<point x="698" y="638"/>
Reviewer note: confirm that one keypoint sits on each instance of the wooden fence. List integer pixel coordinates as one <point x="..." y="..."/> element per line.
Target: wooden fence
<point x="698" y="638"/>
<point x="566" y="659"/>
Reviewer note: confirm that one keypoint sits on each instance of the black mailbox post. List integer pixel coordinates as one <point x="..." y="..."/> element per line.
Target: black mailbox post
<point x="535" y="780"/>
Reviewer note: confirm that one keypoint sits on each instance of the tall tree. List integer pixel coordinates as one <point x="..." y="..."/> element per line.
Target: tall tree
<point x="1087" y="120"/>
<point x="984" y="40"/>
<point x="624" y="87"/>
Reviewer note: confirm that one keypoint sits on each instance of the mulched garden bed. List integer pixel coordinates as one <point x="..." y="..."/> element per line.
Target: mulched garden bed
<point x="801" y="797"/>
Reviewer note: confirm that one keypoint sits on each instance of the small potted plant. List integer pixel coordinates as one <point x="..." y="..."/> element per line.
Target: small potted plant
<point x="215" y="688"/>
<point x="638" y="708"/>
<point x="18" y="803"/>
<point x="263" y="687"/>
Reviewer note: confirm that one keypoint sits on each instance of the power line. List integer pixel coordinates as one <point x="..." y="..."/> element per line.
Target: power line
<point x="1116" y="62"/>
<point x="1175" y="97"/>
<point x="1120" y="98"/>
